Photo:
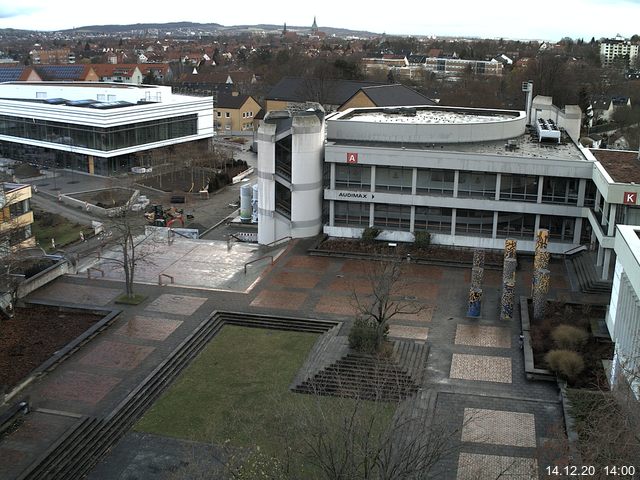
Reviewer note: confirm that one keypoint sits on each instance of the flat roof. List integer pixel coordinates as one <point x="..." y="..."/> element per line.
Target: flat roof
<point x="623" y="166"/>
<point x="84" y="84"/>
<point x="430" y="116"/>
<point x="523" y="146"/>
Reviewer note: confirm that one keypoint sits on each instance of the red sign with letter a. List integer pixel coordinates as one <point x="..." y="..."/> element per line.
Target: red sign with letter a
<point x="630" y="198"/>
<point x="352" y="158"/>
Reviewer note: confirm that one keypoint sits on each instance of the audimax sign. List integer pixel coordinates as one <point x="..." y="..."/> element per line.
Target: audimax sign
<point x="360" y="195"/>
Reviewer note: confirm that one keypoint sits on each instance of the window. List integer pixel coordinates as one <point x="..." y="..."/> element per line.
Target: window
<point x="394" y="179"/>
<point x="433" y="219"/>
<point x="560" y="228"/>
<point x="394" y="217"/>
<point x="355" y="177"/>
<point x="244" y="114"/>
<point x="219" y="114"/>
<point x="516" y="225"/>
<point x="439" y="182"/>
<point x="477" y="184"/>
<point x="519" y="187"/>
<point x="227" y="115"/>
<point x="560" y="190"/>
<point x="352" y="214"/>
<point x="41" y="95"/>
<point x="474" y="222"/>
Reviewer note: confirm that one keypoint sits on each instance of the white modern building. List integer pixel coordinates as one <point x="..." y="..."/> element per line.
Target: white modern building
<point x="618" y="48"/>
<point x="470" y="177"/>
<point x="623" y="316"/>
<point x="97" y="127"/>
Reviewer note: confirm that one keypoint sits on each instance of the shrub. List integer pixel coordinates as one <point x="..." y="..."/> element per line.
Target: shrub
<point x="423" y="239"/>
<point x="364" y="336"/>
<point x="369" y="234"/>
<point x="568" y="337"/>
<point x="566" y="363"/>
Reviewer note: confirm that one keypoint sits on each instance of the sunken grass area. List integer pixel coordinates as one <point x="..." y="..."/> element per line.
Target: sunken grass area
<point x="237" y="392"/>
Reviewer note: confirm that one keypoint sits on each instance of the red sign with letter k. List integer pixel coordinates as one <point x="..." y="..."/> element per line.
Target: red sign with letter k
<point x="630" y="198"/>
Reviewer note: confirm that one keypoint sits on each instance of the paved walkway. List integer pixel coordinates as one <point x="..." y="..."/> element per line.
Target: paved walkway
<point x="475" y="367"/>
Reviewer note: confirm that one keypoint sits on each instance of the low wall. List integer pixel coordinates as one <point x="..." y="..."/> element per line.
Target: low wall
<point x="89" y="207"/>
<point x="47" y="275"/>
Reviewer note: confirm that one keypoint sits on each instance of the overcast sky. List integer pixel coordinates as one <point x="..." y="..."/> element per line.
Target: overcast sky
<point x="549" y="20"/>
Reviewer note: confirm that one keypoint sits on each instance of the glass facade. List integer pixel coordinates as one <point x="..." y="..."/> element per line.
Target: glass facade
<point x="516" y="225"/>
<point x="394" y="217"/>
<point x="351" y="214"/>
<point x="433" y="219"/>
<point x="353" y="177"/>
<point x="477" y="184"/>
<point x="522" y="188"/>
<point x="394" y="179"/>
<point x="560" y="190"/>
<point x="98" y="138"/>
<point x="560" y="228"/>
<point x="435" y="182"/>
<point x="474" y="222"/>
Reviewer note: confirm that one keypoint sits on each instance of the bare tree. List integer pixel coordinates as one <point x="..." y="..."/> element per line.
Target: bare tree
<point x="385" y="300"/>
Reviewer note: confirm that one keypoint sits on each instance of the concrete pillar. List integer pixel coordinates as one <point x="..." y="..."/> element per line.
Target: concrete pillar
<point x="494" y="230"/>
<point x="540" y="290"/>
<point x="475" y="302"/>
<point x="536" y="226"/>
<point x="605" y="214"/>
<point x="597" y="200"/>
<point x="456" y="180"/>
<point x="582" y="188"/>
<point x="412" y="220"/>
<point x="414" y="181"/>
<point x="332" y="179"/>
<point x="373" y="178"/>
<point x="507" y="301"/>
<point x="606" y="264"/>
<point x="599" y="256"/>
<point x="371" y="214"/>
<point x="332" y="213"/>
<point x="453" y="222"/>
<point x="540" y="185"/>
<point x="612" y="220"/>
<point x="577" y="230"/>
<point x="498" y="179"/>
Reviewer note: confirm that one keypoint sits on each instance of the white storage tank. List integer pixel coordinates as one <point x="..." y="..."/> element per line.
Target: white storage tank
<point x="245" y="203"/>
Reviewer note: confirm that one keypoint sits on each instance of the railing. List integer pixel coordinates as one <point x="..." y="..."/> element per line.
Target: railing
<point x="171" y="279"/>
<point x="257" y="260"/>
<point x="270" y="244"/>
<point x="571" y="251"/>
<point x="96" y="269"/>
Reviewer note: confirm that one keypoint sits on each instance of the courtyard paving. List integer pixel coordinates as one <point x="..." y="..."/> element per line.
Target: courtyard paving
<point x="475" y="375"/>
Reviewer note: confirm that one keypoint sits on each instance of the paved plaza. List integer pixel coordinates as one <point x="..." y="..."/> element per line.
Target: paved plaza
<point x="475" y="373"/>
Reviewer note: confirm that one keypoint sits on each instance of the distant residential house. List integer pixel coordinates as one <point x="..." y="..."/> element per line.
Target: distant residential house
<point x="235" y="113"/>
<point x="503" y="59"/>
<point x="57" y="56"/>
<point x="161" y="71"/>
<point x="68" y="73"/>
<point x="417" y="59"/>
<point x="18" y="74"/>
<point x="603" y="106"/>
<point x="299" y="93"/>
<point x="118" y="73"/>
<point x="395" y="95"/>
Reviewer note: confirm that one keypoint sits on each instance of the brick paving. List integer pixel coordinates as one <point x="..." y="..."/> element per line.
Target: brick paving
<point x="473" y="365"/>
<point x="484" y="368"/>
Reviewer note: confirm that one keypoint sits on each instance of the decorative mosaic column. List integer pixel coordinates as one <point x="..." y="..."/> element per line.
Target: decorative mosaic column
<point x="542" y="239"/>
<point x="541" y="260"/>
<point x="540" y="290"/>
<point x="507" y="301"/>
<point x="478" y="258"/>
<point x="508" y="279"/>
<point x="476" y="277"/>
<point x="475" y="302"/>
<point x="510" y="246"/>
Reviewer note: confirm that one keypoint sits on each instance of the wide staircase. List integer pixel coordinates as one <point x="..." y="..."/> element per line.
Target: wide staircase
<point x="588" y="278"/>
<point x="77" y="451"/>
<point x="333" y="369"/>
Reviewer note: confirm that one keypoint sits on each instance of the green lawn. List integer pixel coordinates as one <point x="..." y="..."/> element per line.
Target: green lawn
<point x="236" y="391"/>
<point x="48" y="225"/>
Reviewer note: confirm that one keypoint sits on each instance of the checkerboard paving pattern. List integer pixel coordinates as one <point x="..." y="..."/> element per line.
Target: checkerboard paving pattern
<point x="79" y="386"/>
<point x="80" y="294"/>
<point x="499" y="427"/>
<point x="307" y="262"/>
<point x="423" y="315"/>
<point x="337" y="305"/>
<point x="176" y="304"/>
<point x="474" y="466"/>
<point x="483" y="336"/>
<point x="295" y="279"/>
<point x="405" y="332"/>
<point x="481" y="367"/>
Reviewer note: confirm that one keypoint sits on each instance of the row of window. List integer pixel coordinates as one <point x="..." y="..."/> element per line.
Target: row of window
<point x="228" y="114"/>
<point x="439" y="219"/>
<point x="98" y="138"/>
<point x="523" y="188"/>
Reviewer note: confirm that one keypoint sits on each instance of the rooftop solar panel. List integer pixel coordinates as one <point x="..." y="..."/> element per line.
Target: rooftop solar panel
<point x="81" y="103"/>
<point x="60" y="72"/>
<point x="10" y="74"/>
<point x="56" y="101"/>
